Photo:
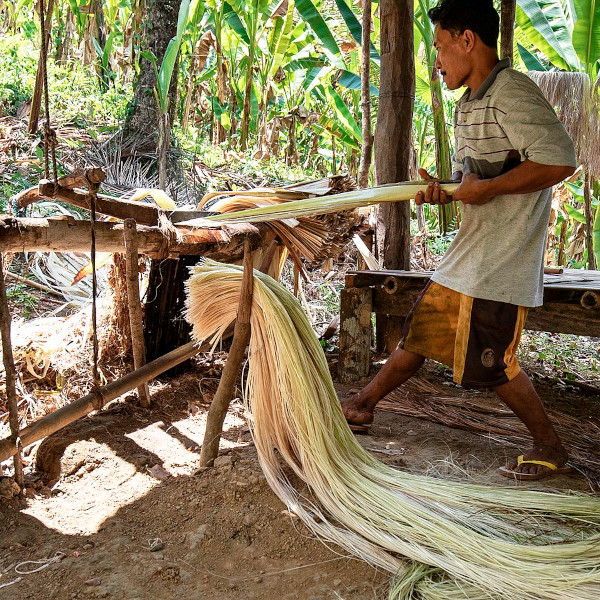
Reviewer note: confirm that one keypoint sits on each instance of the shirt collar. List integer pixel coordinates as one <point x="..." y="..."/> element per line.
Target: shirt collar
<point x="489" y="80"/>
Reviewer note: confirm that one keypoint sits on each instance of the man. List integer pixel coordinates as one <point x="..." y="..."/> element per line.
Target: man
<point x="510" y="150"/>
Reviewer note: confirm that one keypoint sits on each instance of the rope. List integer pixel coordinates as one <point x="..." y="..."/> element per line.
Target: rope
<point x="49" y="133"/>
<point x="42" y="562"/>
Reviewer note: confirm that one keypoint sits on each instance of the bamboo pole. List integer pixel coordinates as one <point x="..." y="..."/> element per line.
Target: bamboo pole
<point x="224" y="394"/>
<point x="135" y="308"/>
<point x="9" y="369"/>
<point x="95" y="401"/>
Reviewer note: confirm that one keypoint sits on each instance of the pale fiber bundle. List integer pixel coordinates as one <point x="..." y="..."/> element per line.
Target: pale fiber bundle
<point x="461" y="540"/>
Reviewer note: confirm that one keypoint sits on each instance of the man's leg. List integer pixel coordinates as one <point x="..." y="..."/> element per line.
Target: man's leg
<point x="400" y="366"/>
<point x="521" y="397"/>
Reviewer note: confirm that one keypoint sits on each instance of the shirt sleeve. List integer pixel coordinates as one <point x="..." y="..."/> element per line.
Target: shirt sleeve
<point x="533" y="128"/>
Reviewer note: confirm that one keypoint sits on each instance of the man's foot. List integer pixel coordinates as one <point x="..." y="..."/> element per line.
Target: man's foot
<point x="540" y="453"/>
<point x="357" y="412"/>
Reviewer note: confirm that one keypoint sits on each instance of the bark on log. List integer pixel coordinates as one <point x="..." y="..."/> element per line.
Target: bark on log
<point x="224" y="393"/>
<point x="355" y="334"/>
<point x="71" y="235"/>
<point x="393" y="140"/>
<point x="135" y="308"/>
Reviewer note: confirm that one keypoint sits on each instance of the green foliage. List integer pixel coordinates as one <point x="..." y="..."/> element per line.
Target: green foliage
<point x="17" y="73"/>
<point x="23" y="298"/>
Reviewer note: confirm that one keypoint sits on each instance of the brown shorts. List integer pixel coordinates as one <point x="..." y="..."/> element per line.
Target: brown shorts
<point x="477" y="338"/>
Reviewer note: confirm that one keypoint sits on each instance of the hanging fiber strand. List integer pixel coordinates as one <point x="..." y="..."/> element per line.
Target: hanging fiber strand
<point x="443" y="539"/>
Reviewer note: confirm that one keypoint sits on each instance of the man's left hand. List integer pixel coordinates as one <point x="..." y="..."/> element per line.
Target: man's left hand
<point x="472" y="190"/>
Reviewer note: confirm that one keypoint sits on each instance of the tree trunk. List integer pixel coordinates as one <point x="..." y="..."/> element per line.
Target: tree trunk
<point x="392" y="141"/>
<point x="158" y="28"/>
<point x="507" y="28"/>
<point x="365" y="98"/>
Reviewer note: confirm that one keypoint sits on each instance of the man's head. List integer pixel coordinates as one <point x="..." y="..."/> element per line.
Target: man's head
<point x="466" y="32"/>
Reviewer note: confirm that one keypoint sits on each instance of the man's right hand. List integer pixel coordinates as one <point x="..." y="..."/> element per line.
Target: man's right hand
<point x="434" y="194"/>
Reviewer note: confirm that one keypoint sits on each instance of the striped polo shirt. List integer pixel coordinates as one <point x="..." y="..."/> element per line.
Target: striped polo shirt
<point x="498" y="251"/>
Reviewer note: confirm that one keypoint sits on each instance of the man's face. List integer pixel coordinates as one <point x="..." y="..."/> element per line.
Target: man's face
<point x="452" y="59"/>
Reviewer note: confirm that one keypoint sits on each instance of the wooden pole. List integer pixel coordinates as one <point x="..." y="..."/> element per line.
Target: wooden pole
<point x="224" y="394"/>
<point x="9" y="370"/>
<point x="507" y="28"/>
<point x="393" y="143"/>
<point x="135" y="308"/>
<point x="365" y="98"/>
<point x="36" y="100"/>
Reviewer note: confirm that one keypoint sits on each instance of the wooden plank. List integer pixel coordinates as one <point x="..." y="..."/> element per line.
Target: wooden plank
<point x="569" y="279"/>
<point x="356" y="334"/>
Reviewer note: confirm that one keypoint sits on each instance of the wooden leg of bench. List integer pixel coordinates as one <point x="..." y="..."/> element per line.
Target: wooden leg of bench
<point x="356" y="334"/>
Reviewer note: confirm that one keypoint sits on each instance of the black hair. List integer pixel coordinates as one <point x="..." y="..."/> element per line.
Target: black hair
<point x="479" y="16"/>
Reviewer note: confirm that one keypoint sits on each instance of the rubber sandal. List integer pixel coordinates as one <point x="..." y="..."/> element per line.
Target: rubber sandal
<point x="552" y="470"/>
<point x="360" y="429"/>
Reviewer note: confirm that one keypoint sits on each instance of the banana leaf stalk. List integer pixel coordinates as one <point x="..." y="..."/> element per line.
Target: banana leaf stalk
<point x="318" y="206"/>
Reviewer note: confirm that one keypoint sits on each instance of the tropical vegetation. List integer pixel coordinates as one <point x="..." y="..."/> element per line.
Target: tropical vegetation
<point x="279" y="81"/>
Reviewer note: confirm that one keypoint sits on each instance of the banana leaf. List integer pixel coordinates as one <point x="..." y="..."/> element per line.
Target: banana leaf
<point x="586" y="34"/>
<point x="531" y="60"/>
<point x="546" y="26"/>
<point x="355" y="28"/>
<point x="313" y="18"/>
<point x="343" y="113"/>
<point x="351" y="81"/>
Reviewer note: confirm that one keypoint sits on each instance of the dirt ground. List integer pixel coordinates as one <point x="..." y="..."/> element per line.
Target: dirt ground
<point x="119" y="503"/>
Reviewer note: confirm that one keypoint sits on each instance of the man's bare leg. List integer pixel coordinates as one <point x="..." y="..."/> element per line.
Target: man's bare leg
<point x="400" y="366"/>
<point x="521" y="397"/>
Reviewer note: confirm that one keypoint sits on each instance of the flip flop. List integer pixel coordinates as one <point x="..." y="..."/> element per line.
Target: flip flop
<point x="552" y="470"/>
<point x="358" y="428"/>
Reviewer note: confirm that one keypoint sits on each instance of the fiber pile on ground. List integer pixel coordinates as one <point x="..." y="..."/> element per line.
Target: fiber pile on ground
<point x="442" y="539"/>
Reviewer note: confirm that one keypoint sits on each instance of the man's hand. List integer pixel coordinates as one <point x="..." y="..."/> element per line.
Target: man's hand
<point x="434" y="194"/>
<point x="473" y="190"/>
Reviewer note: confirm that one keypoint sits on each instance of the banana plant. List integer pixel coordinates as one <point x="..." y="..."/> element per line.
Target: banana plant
<point x="567" y="33"/>
<point x="424" y="39"/>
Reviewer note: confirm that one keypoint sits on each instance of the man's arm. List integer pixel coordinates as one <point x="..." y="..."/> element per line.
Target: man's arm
<point x="523" y="179"/>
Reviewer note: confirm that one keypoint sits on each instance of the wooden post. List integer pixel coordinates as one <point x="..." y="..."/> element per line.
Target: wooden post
<point x="135" y="308"/>
<point x="356" y="334"/>
<point x="9" y="370"/>
<point x="224" y="394"/>
<point x="393" y="140"/>
<point x="507" y="28"/>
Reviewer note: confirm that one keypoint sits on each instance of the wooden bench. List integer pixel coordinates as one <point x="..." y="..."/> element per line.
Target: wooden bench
<point x="571" y="305"/>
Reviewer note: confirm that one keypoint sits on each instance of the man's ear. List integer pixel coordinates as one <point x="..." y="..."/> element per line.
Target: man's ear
<point x="469" y="39"/>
